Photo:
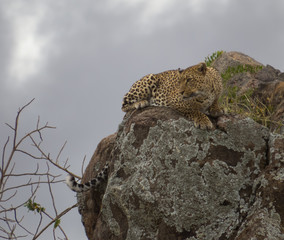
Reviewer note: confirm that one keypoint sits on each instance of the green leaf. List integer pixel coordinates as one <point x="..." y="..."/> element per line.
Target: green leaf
<point x="33" y="206"/>
<point x="56" y="223"/>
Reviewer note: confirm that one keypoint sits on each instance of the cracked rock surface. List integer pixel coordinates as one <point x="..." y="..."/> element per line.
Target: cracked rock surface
<point x="169" y="180"/>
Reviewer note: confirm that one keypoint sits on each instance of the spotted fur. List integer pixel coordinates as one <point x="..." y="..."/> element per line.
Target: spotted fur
<point x="95" y="182"/>
<point x="193" y="91"/>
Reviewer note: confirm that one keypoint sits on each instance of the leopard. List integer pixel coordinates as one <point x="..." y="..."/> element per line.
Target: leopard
<point x="194" y="92"/>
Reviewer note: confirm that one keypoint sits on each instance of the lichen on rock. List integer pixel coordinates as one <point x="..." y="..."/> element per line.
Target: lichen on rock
<point x="172" y="181"/>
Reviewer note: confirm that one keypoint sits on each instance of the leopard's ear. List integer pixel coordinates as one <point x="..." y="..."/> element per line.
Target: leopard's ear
<point x="180" y="70"/>
<point x="202" y="68"/>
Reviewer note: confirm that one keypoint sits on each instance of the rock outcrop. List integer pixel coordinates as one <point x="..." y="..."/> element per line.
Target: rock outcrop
<point x="266" y="82"/>
<point x="169" y="180"/>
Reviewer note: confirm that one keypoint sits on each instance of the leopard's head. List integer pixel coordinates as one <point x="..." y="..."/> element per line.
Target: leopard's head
<point x="191" y="81"/>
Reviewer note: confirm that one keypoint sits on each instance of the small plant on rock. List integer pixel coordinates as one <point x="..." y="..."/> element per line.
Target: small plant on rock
<point x="210" y="59"/>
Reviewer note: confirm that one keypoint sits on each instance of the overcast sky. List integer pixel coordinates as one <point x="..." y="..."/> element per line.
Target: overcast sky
<point x="78" y="59"/>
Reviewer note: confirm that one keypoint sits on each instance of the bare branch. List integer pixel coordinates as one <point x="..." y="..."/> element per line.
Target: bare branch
<point x="31" y="179"/>
<point x="3" y="155"/>
<point x="29" y="183"/>
<point x="33" y="192"/>
<point x="53" y="221"/>
<point x="17" y="122"/>
<point x="2" y="165"/>
<point x="51" y="193"/>
<point x="10" y="126"/>
<point x="65" y="164"/>
<point x="9" y="198"/>
<point x="11" y="228"/>
<point x="37" y="127"/>
<point x="29" y="154"/>
<point x="39" y="224"/>
<point x="82" y="168"/>
<point x="35" y="174"/>
<point x="47" y="157"/>
<point x="57" y="158"/>
<point x="65" y="236"/>
<point x="32" y="132"/>
<point x="19" y="222"/>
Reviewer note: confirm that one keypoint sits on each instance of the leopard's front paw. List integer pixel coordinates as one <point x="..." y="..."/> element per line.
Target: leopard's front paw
<point x="203" y="124"/>
<point x="136" y="105"/>
<point x="141" y="104"/>
<point x="200" y="120"/>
